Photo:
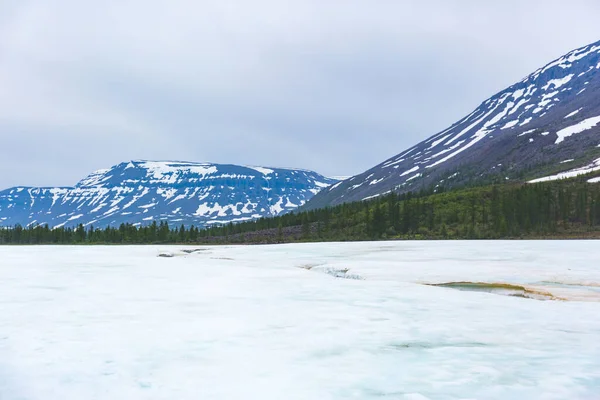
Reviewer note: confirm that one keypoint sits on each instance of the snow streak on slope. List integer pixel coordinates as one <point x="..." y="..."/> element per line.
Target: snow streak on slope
<point x="140" y="192"/>
<point x="550" y="115"/>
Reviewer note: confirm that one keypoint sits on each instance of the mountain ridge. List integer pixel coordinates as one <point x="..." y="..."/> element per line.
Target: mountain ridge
<point x="519" y="133"/>
<point x="142" y="191"/>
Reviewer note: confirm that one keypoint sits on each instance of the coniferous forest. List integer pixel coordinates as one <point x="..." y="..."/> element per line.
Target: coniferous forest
<point x="565" y="209"/>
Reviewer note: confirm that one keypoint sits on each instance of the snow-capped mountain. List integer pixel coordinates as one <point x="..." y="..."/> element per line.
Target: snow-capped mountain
<point x="545" y="124"/>
<point x="139" y="192"/>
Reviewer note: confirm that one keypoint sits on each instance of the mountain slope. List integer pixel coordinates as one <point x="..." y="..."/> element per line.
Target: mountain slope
<point x="547" y="123"/>
<point x="139" y="192"/>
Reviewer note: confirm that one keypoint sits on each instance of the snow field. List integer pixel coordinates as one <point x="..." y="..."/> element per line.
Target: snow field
<point x="272" y="322"/>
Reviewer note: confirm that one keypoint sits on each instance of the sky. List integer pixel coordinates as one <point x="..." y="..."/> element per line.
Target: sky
<point x="336" y="86"/>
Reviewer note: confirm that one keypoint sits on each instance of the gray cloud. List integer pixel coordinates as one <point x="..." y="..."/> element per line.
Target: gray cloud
<point x="333" y="86"/>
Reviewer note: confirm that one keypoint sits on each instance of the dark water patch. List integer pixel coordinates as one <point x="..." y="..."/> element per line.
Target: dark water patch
<point x="309" y="266"/>
<point x="191" y="251"/>
<point x="503" y="289"/>
<point x="433" y="345"/>
<point x="343" y="273"/>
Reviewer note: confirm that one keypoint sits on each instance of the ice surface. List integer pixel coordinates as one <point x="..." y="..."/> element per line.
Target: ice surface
<point x="282" y="322"/>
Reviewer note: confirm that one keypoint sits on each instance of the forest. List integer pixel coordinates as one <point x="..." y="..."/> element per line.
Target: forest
<point x="562" y="209"/>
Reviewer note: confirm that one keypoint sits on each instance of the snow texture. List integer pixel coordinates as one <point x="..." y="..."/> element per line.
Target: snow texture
<point x="305" y="321"/>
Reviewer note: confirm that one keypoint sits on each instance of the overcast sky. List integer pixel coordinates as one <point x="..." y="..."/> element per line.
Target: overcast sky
<point x="336" y="86"/>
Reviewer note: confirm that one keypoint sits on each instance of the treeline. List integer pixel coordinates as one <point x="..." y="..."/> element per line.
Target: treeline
<point x="555" y="209"/>
<point x="124" y="234"/>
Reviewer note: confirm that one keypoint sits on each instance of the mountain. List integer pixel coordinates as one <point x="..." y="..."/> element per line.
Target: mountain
<point x="139" y="192"/>
<point x="546" y="126"/>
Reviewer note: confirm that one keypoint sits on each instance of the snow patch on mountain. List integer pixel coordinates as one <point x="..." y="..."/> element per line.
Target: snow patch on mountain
<point x="592" y="167"/>
<point x="577" y="128"/>
<point x="573" y="113"/>
<point x="139" y="192"/>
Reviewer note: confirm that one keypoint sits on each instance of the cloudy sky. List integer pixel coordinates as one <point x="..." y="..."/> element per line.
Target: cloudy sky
<point x="336" y="86"/>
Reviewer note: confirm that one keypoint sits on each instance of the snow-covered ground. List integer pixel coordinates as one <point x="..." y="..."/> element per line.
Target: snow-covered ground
<point x="586" y="169"/>
<point x="272" y="322"/>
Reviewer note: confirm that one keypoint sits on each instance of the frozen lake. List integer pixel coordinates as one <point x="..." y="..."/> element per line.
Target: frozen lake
<point x="283" y="322"/>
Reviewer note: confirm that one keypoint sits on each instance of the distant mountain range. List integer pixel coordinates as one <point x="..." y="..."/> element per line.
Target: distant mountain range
<point x="140" y="192"/>
<point x="547" y="126"/>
